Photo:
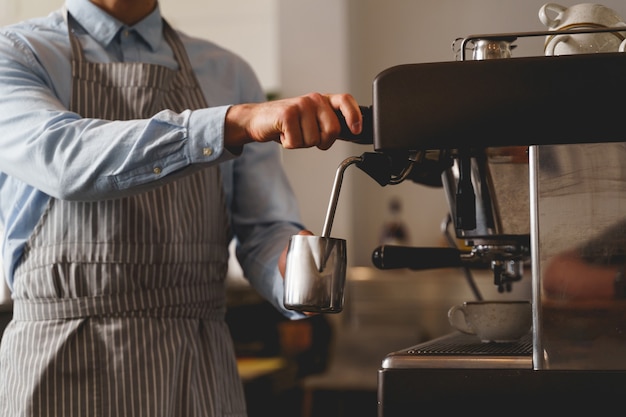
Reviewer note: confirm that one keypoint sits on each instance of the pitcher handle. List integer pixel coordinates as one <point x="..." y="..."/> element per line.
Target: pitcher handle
<point x="552" y="43"/>
<point x="551" y="22"/>
<point x="457" y="322"/>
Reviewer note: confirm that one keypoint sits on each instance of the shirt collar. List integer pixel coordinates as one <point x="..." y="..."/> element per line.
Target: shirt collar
<point x="103" y="27"/>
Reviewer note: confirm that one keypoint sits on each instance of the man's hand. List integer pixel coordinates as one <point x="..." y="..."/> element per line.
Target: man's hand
<point x="301" y="122"/>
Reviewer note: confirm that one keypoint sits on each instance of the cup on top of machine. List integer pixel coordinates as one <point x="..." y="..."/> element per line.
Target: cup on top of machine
<point x="492" y="321"/>
<point x="583" y="16"/>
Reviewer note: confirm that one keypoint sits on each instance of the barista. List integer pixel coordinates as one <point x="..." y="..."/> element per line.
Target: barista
<point x="131" y="155"/>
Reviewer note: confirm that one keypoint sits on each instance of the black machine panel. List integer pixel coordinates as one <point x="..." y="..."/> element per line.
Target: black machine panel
<point x="500" y="102"/>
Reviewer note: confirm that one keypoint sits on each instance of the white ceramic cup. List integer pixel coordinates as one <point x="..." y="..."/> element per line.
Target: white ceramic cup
<point x="583" y="16"/>
<point x="558" y="17"/>
<point x="492" y="321"/>
<point x="586" y="43"/>
<point x="622" y="46"/>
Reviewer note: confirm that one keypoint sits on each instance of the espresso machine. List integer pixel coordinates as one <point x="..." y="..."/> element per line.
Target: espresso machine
<point x="531" y="154"/>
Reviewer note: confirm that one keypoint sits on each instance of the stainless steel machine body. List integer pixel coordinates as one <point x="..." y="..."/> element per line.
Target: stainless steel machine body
<point x="562" y="111"/>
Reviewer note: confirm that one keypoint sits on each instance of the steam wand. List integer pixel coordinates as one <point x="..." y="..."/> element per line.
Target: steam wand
<point x="378" y="166"/>
<point x="332" y="204"/>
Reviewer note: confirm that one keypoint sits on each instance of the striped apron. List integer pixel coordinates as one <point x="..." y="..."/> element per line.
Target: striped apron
<point x="119" y="305"/>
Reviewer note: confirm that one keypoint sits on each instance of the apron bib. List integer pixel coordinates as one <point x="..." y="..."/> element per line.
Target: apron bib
<point x="119" y="304"/>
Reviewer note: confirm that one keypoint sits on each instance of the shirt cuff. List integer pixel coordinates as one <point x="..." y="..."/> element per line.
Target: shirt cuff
<point x="206" y="135"/>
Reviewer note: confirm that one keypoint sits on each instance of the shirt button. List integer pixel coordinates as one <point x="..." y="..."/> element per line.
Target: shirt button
<point x="207" y="151"/>
<point x="126" y="33"/>
<point x="157" y="170"/>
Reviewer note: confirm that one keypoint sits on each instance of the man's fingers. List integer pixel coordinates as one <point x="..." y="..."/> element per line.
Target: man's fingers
<point x="349" y="108"/>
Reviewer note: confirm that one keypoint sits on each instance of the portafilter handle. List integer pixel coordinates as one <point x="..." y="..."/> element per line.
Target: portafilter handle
<point x="397" y="257"/>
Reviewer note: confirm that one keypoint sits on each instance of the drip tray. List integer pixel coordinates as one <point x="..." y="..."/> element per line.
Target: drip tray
<point x="458" y="350"/>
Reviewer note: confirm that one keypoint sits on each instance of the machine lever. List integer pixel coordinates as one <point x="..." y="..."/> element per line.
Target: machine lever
<point x="366" y="137"/>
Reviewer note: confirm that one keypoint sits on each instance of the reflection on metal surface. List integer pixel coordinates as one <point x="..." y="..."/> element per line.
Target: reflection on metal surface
<point x="581" y="216"/>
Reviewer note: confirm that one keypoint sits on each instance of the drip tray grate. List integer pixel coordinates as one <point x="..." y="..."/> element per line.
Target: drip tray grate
<point x="461" y="344"/>
<point x="459" y="350"/>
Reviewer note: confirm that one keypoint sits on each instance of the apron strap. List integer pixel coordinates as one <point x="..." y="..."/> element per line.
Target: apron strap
<point x="197" y="301"/>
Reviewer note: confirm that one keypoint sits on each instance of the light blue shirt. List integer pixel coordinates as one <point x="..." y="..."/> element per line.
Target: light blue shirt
<point x="47" y="151"/>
